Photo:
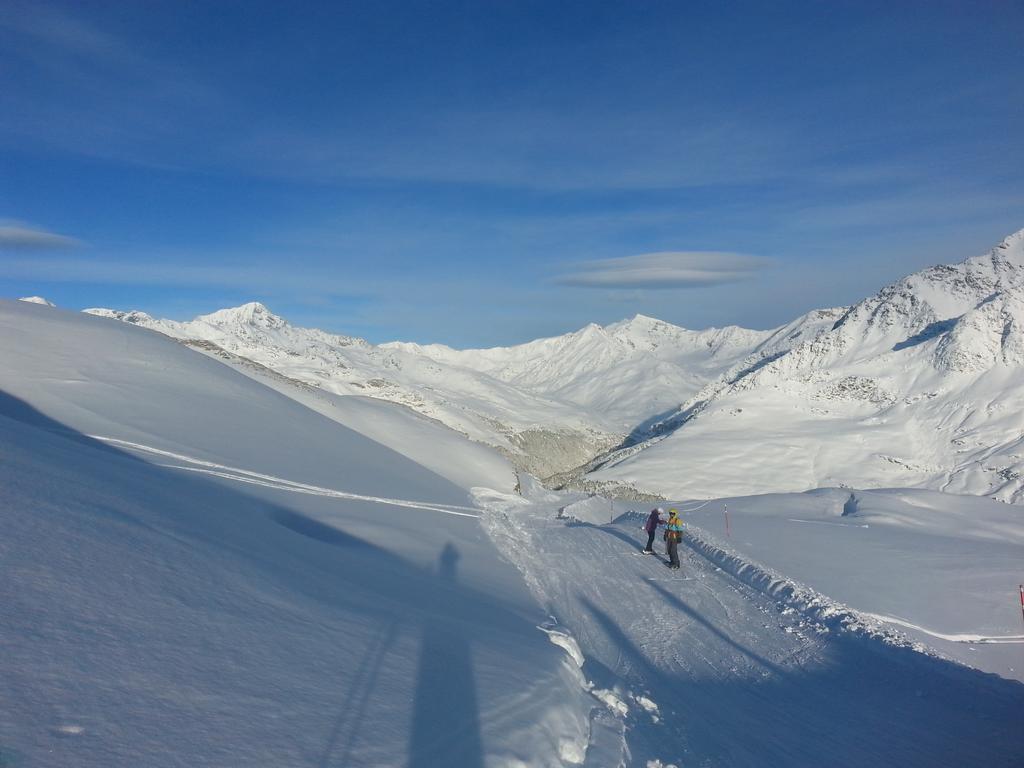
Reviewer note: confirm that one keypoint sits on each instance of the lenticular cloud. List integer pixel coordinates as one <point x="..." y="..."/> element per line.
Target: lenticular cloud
<point x="666" y="269"/>
<point x="14" y="234"/>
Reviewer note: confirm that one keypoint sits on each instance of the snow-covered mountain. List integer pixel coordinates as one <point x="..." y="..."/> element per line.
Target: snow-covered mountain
<point x="36" y="300"/>
<point x="920" y="385"/>
<point x="550" y="405"/>
<point x="624" y="372"/>
<point x="916" y="386"/>
<point x="536" y="432"/>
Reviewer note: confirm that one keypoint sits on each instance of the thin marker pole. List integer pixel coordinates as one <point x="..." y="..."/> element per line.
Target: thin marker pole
<point x="729" y="535"/>
<point x="1022" y="601"/>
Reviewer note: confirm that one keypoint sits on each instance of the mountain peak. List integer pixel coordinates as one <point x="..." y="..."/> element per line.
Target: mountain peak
<point x="638" y="323"/>
<point x="645" y="321"/>
<point x="251" y="307"/>
<point x="1012" y="247"/>
<point x="37" y="300"/>
<point x="133" y="316"/>
<point x="252" y="313"/>
<point x="1016" y="237"/>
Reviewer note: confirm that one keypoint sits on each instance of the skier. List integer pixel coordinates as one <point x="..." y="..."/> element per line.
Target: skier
<point x="651" y="526"/>
<point x="673" y="535"/>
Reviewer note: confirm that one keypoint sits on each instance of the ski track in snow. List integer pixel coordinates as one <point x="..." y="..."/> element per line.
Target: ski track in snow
<point x="280" y="483"/>
<point x="953" y="638"/>
<point x="825" y="522"/>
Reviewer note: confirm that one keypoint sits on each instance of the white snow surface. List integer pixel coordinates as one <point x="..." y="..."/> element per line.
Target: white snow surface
<point x="426" y="441"/>
<point x="943" y="568"/>
<point x="593" y="509"/>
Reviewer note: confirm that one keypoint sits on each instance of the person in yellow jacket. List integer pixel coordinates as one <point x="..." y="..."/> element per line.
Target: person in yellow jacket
<point x="673" y="535"/>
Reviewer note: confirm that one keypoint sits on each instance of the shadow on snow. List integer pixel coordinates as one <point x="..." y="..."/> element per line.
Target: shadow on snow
<point x="393" y="595"/>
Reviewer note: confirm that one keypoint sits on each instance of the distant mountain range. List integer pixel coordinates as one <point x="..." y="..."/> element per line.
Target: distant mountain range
<point x="920" y="385"/>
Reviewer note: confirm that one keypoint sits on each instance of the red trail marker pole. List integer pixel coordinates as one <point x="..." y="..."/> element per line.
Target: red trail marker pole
<point x="1022" y="601"/>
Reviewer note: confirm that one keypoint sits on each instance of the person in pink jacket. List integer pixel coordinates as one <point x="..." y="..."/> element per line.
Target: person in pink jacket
<point x="651" y="526"/>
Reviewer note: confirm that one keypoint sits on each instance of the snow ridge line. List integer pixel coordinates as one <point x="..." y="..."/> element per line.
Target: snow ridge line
<point x="280" y="483"/>
<point x="828" y="613"/>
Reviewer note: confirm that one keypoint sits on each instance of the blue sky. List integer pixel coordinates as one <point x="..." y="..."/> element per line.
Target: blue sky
<point x="483" y="173"/>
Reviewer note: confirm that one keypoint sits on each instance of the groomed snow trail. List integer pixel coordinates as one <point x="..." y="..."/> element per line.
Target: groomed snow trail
<point x="701" y="668"/>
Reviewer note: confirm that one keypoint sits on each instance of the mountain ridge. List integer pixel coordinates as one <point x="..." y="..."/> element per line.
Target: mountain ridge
<point x="550" y="405"/>
<point x="936" y="346"/>
<point x="940" y="353"/>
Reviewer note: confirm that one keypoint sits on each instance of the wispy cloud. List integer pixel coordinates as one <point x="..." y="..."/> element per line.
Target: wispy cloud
<point x="79" y="87"/>
<point x="21" y="236"/>
<point x="669" y="269"/>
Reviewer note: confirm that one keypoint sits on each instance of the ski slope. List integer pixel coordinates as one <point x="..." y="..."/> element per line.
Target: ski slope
<point x="723" y="664"/>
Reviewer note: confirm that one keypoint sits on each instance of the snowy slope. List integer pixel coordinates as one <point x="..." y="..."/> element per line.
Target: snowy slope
<point x="944" y="569"/>
<point x="921" y="385"/>
<point x="732" y="663"/>
<point x="199" y="570"/>
<point x="630" y="370"/>
<point x="541" y="434"/>
<point x="551" y="405"/>
<point x="426" y="441"/>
